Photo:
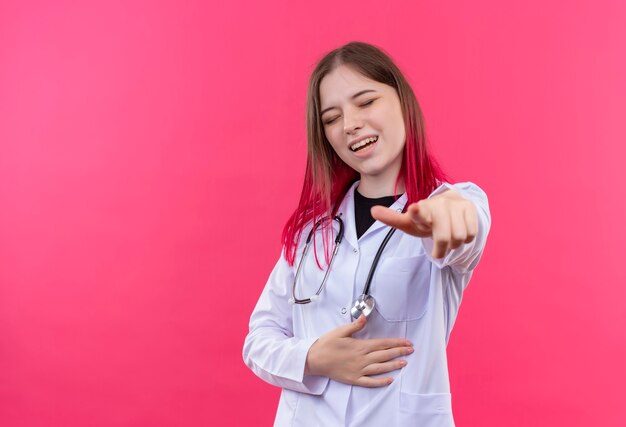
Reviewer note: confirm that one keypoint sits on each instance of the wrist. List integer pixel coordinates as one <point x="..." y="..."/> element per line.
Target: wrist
<point x="309" y="364"/>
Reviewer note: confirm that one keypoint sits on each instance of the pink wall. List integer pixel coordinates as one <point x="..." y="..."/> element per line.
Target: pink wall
<point x="140" y="145"/>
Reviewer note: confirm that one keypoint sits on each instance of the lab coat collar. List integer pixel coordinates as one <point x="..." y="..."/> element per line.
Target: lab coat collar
<point x="346" y="212"/>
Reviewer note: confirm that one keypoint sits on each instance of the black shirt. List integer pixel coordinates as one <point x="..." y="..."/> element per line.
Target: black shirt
<point x="362" y="215"/>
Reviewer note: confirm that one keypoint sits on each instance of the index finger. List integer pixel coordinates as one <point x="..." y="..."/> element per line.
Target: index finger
<point x="375" y="344"/>
<point x="390" y="217"/>
<point x="412" y="222"/>
<point x="401" y="221"/>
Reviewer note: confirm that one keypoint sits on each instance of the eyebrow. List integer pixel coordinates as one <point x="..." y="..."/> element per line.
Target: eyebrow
<point x="356" y="95"/>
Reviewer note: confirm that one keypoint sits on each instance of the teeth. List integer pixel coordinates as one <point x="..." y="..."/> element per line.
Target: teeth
<point x="364" y="142"/>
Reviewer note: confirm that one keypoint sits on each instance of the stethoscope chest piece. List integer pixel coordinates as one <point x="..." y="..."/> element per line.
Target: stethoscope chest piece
<point x="363" y="305"/>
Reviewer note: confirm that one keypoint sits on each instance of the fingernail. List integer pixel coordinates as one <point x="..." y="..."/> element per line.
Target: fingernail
<point x="409" y="350"/>
<point x="403" y="363"/>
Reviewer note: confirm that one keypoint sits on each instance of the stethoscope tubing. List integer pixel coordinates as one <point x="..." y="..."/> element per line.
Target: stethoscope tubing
<point x="366" y="289"/>
<point x="338" y="240"/>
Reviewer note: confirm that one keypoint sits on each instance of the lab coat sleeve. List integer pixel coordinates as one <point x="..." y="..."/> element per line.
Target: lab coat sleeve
<point x="464" y="258"/>
<point x="270" y="349"/>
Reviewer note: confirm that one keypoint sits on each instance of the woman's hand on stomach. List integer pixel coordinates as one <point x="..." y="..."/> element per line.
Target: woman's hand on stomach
<point x="340" y="357"/>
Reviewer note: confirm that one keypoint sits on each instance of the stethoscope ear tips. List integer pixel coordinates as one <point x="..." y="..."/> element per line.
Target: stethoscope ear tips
<point x="292" y="301"/>
<point x="314" y="298"/>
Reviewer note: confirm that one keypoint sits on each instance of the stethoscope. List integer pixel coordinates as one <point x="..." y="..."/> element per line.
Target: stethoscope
<point x="365" y="303"/>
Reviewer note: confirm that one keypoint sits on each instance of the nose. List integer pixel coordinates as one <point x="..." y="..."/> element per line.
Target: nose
<point x="352" y="122"/>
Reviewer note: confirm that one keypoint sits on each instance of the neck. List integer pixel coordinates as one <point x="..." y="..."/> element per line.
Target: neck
<point x="374" y="188"/>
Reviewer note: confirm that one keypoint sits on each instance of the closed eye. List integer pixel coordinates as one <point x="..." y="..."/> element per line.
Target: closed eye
<point x="365" y="104"/>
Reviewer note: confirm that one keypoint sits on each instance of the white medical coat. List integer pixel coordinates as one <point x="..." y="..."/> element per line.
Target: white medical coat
<point x="417" y="298"/>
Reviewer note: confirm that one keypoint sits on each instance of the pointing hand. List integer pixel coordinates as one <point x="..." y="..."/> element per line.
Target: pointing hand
<point x="448" y="218"/>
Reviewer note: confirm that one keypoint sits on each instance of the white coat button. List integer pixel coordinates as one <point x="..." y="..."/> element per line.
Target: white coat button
<point x="344" y="310"/>
<point x="355" y="250"/>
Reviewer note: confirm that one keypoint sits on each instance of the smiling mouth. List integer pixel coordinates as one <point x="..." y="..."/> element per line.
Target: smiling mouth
<point x="363" y="144"/>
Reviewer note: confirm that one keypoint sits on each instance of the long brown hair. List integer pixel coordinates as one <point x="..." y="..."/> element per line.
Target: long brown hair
<point x="327" y="177"/>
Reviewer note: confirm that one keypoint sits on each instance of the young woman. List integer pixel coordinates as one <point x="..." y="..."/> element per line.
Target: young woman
<point x="354" y="319"/>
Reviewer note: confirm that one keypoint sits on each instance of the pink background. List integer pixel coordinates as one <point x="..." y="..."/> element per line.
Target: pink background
<point x="150" y="153"/>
